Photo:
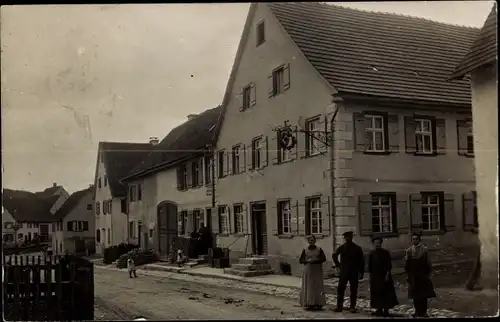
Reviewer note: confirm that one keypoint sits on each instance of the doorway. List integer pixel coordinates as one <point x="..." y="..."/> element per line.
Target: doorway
<point x="167" y="226"/>
<point x="208" y="220"/>
<point x="259" y="228"/>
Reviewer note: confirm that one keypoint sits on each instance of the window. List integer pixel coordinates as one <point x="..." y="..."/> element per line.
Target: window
<point x="69" y="226"/>
<point x="182" y="220"/>
<point x="261" y="35"/>
<point x="313" y="137"/>
<point x="220" y="163"/>
<point x="104" y="207"/>
<point x="209" y="163"/>
<point x="314" y="220"/>
<point x="131" y="229"/>
<point x="375" y="133"/>
<point x="474" y="207"/>
<point x="284" y="154"/>
<point x="195" y="173"/>
<point x="247" y="97"/>
<point x="89" y="206"/>
<point x="151" y="233"/>
<point x="238" y="219"/>
<point x="97" y="208"/>
<point x="423" y="136"/>
<point x="223" y="220"/>
<point x="109" y="236"/>
<point x="431" y="211"/>
<point x="139" y="192"/>
<point x="98" y="235"/>
<point x="470" y="140"/>
<point x="182" y="177"/>
<point x="133" y="192"/>
<point x="236" y="159"/>
<point x="99" y="182"/>
<point x="105" y="180"/>
<point x="123" y="206"/>
<point x="278" y="81"/>
<point x="197" y="219"/>
<point x="285" y="217"/>
<point x="257" y="153"/>
<point x="383" y="212"/>
<point x="110" y="206"/>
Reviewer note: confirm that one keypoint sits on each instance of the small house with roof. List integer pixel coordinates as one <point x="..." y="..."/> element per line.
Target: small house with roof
<point x="382" y="141"/>
<point x="175" y="183"/>
<point x="480" y="66"/>
<point x="114" y="160"/>
<point x="74" y="232"/>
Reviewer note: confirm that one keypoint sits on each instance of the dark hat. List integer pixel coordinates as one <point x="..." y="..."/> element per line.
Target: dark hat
<point x="377" y="238"/>
<point x="348" y="234"/>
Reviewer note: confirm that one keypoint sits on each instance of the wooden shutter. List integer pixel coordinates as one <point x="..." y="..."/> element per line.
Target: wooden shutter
<point x="241" y="99"/>
<point x="365" y="215"/>
<point x="244" y="211"/>
<point x="360" y="124"/>
<point x="189" y="168"/>
<point x="416" y="212"/>
<point x="468" y="211"/>
<point x="286" y="76"/>
<point x="179" y="178"/>
<point x="69" y="226"/>
<point x="265" y="156"/>
<point x="253" y="95"/>
<point x="393" y="133"/>
<point x="301" y="219"/>
<point x="410" y="142"/>
<point x="441" y="136"/>
<point x="449" y="212"/>
<point x="462" y="131"/>
<point x="294" y="150"/>
<point x="321" y="145"/>
<point x="227" y="163"/>
<point x="276" y="148"/>
<point x="250" y="157"/>
<point x="295" y="217"/>
<point x="270" y="85"/>
<point x="403" y="218"/>
<point x="325" y="216"/>
<point x="276" y="213"/>
<point x="301" y="138"/>
<point x="85" y="226"/>
<point x="215" y="220"/>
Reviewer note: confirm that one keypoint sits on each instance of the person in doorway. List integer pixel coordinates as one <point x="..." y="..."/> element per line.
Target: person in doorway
<point x="351" y="269"/>
<point x="382" y="293"/>
<point x="312" y="296"/>
<point x="205" y="237"/>
<point x="131" y="268"/>
<point x="418" y="267"/>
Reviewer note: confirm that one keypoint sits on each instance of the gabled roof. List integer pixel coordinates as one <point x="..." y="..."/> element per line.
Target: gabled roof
<point x="184" y="141"/>
<point x="379" y="54"/>
<point x="72" y="202"/>
<point x="25" y="206"/>
<point x="119" y="158"/>
<point x="484" y="48"/>
<point x="49" y="192"/>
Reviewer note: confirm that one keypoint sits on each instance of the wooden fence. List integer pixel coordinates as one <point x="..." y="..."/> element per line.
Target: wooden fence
<point x="47" y="288"/>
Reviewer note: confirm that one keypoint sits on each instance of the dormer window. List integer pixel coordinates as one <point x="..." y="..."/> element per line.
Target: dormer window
<point x="261" y="34"/>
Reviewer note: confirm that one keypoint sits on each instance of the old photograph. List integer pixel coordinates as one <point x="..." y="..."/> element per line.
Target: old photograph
<point x="267" y="160"/>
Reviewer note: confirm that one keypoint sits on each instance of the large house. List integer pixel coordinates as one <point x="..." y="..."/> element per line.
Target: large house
<point x="26" y="216"/>
<point x="337" y="119"/>
<point x="170" y="190"/>
<point x="480" y="64"/>
<point x="114" y="160"/>
<point x="74" y="231"/>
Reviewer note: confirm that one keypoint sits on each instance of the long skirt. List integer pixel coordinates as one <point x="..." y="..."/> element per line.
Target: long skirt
<point x="312" y="290"/>
<point x="382" y="293"/>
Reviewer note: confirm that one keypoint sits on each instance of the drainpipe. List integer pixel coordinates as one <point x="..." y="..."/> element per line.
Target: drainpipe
<point x="332" y="170"/>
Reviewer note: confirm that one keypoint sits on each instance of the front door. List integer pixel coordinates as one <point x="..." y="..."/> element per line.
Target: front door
<point x="167" y="227"/>
<point x="259" y="229"/>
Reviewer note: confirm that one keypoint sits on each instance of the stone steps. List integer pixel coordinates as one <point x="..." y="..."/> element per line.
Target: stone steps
<point x="250" y="267"/>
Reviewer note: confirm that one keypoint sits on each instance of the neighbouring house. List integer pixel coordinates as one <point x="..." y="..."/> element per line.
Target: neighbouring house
<point x="169" y="191"/>
<point x="74" y="232"/>
<point x="396" y="159"/>
<point x="114" y="160"/>
<point x="25" y="217"/>
<point x="480" y="66"/>
<point x="57" y="194"/>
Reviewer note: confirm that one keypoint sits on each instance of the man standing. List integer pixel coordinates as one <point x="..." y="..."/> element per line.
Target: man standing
<point x="352" y="269"/>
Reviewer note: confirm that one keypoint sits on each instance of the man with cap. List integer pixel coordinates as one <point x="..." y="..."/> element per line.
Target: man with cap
<point x="352" y="269"/>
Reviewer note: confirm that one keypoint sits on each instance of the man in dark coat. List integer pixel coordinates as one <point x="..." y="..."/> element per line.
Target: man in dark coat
<point x="205" y="236"/>
<point x="352" y="269"/>
<point x="382" y="293"/>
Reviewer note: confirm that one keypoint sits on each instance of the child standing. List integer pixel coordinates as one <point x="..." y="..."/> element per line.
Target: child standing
<point x="131" y="267"/>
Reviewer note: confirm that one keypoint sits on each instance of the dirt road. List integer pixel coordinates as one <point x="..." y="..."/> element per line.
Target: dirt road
<point x="162" y="298"/>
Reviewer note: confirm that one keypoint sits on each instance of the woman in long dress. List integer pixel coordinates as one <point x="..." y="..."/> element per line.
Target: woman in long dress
<point x="312" y="296"/>
<point x="418" y="267"/>
<point x="382" y="293"/>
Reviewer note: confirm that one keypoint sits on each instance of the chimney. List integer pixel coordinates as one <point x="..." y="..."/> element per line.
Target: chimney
<point x="54" y="185"/>
<point x="153" y="140"/>
<point x="191" y="116"/>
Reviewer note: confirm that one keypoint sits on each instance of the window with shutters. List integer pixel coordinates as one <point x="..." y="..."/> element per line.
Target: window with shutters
<point x="238" y="219"/>
<point x="284" y="154"/>
<point x="285" y="217"/>
<point x="184" y="177"/>
<point x="470" y="140"/>
<point x="223" y="220"/>
<point x="383" y="213"/>
<point x="236" y="158"/>
<point x="195" y="173"/>
<point x="261" y="33"/>
<point x="313" y="136"/>
<point x="246" y="97"/>
<point x="431" y="205"/>
<point x="182" y="223"/>
<point x="314" y="221"/>
<point x="375" y="133"/>
<point x="220" y="163"/>
<point x="257" y="151"/>
<point x="424" y="133"/>
<point x="278" y="81"/>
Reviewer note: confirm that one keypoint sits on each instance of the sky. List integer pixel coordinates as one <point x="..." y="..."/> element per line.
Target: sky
<point x="74" y="75"/>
